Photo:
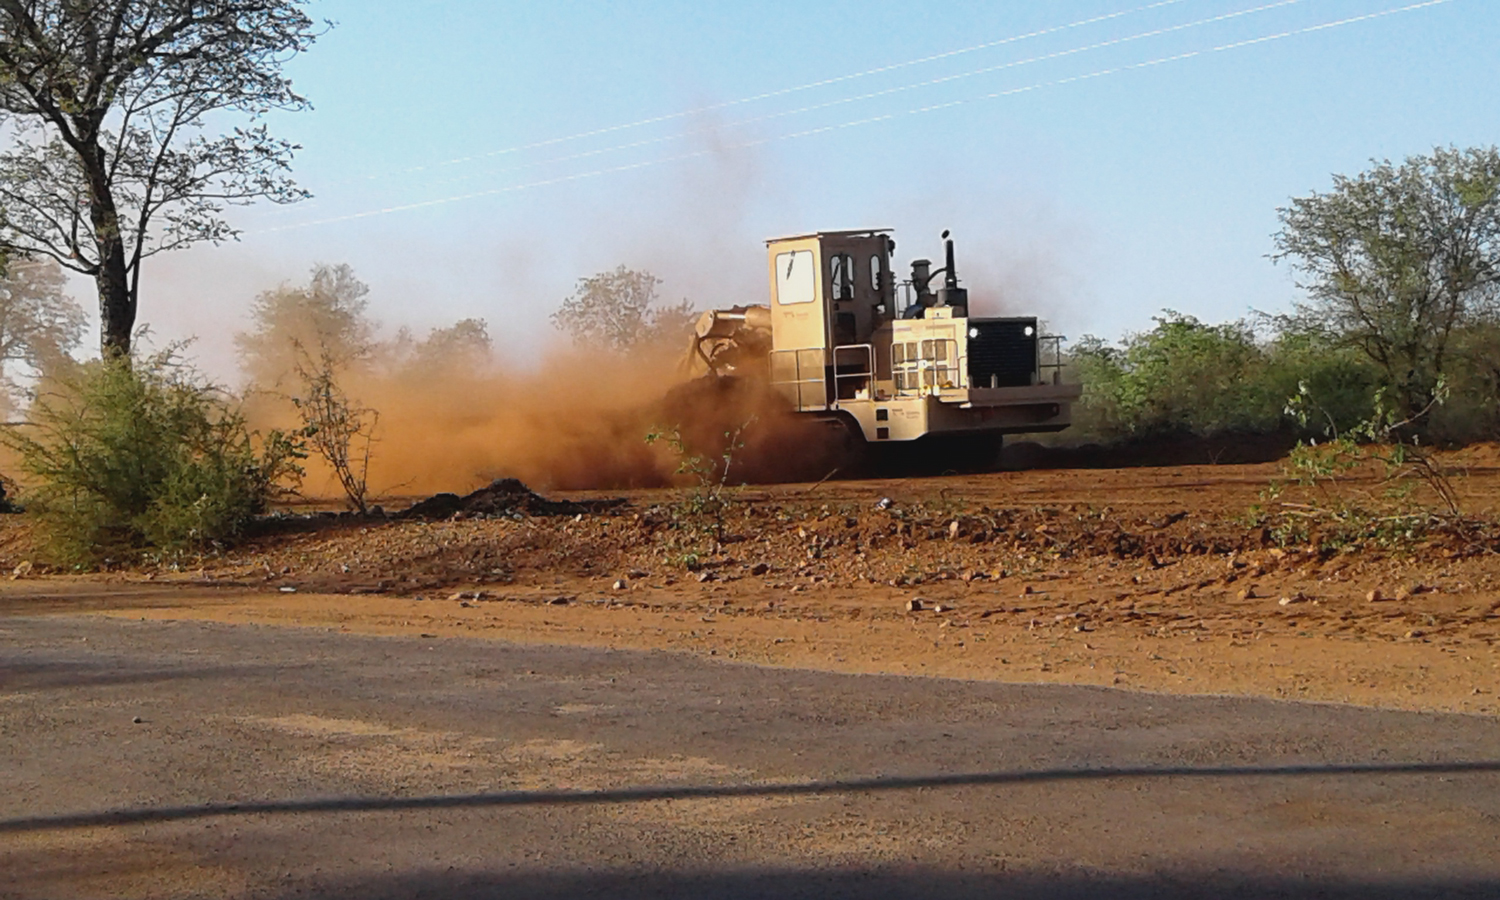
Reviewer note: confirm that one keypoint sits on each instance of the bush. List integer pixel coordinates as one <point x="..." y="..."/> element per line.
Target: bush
<point x="129" y="457"/>
<point x="1187" y="377"/>
<point x="1182" y="376"/>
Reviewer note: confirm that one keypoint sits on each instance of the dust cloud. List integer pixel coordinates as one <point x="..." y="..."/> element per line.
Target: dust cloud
<point x="577" y="420"/>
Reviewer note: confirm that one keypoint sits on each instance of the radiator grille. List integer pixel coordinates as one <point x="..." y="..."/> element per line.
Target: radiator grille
<point x="1002" y="352"/>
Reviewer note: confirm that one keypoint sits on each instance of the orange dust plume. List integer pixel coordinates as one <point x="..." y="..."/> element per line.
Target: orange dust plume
<point x="578" y="420"/>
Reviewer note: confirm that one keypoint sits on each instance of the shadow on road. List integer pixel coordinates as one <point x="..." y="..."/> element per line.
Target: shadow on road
<point x="141" y="815"/>
<point x="34" y="676"/>
<point x="881" y="884"/>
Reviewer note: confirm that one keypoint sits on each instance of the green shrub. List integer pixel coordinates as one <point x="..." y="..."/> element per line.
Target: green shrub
<point x="129" y="458"/>
<point x="1183" y="376"/>
<point x="1339" y="380"/>
<point x="1187" y="377"/>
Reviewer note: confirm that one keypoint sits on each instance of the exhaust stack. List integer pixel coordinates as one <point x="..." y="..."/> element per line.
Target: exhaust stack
<point x="950" y="294"/>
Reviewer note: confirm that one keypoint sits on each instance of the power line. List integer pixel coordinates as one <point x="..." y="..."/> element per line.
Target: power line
<point x="1100" y="73"/>
<point x="780" y="92"/>
<point x="987" y="70"/>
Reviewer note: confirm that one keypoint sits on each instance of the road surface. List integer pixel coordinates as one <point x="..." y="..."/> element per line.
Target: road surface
<point x="186" y="759"/>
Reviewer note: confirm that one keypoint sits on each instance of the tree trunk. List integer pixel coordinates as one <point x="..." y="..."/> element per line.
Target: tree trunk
<point x="116" y="302"/>
<point x="116" y="305"/>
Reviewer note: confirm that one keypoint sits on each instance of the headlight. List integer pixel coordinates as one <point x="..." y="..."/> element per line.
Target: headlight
<point x="1030" y="331"/>
<point x="973" y="332"/>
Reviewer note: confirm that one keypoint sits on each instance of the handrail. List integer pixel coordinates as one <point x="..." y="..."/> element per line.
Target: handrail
<point x="798" y="381"/>
<point x="1057" y="358"/>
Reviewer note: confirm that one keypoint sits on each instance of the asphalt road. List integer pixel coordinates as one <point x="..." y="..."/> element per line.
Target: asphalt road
<point x="185" y="760"/>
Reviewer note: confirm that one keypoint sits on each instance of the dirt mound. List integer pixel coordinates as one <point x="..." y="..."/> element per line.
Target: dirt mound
<point x="503" y="497"/>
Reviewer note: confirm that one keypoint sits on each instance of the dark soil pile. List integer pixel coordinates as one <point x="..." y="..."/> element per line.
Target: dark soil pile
<point x="504" y="497"/>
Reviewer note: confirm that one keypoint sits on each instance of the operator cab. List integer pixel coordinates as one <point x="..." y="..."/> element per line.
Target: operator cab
<point x="831" y="292"/>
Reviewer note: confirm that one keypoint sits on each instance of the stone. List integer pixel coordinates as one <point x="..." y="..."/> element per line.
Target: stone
<point x="559" y="601"/>
<point x="620" y="584"/>
<point x="1376" y="596"/>
<point x="705" y="577"/>
<point x="22" y="570"/>
<point x="953" y="529"/>
<point x="759" y="569"/>
<point x="942" y="608"/>
<point x="915" y="604"/>
<point x="1248" y="593"/>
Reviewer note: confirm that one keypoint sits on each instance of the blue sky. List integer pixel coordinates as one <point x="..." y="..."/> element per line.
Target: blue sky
<point x="444" y="154"/>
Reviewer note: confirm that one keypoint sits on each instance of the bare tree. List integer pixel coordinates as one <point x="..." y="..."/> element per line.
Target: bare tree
<point x="107" y="105"/>
<point x="336" y="427"/>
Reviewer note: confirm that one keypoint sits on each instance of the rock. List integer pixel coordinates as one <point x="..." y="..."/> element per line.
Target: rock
<point x="915" y="604"/>
<point x="1298" y="597"/>
<point x="704" y="577"/>
<point x="137" y="720"/>
<point x="460" y="595"/>
<point x="620" y="585"/>
<point x="884" y="503"/>
<point x="22" y="570"/>
<point x="953" y="529"/>
<point x="1083" y="626"/>
<point x="1375" y="596"/>
<point x="559" y="601"/>
<point x="1248" y="593"/>
<point x="942" y="608"/>
<point x="1415" y="633"/>
<point x="287" y="589"/>
<point x="759" y="569"/>
<point x="1027" y="590"/>
<point x="636" y="575"/>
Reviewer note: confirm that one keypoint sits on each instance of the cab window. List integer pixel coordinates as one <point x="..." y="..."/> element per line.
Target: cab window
<point x="796" y="282"/>
<point x="841" y="276"/>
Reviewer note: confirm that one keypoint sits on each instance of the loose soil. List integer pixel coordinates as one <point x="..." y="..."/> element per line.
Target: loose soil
<point x="1140" y="579"/>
